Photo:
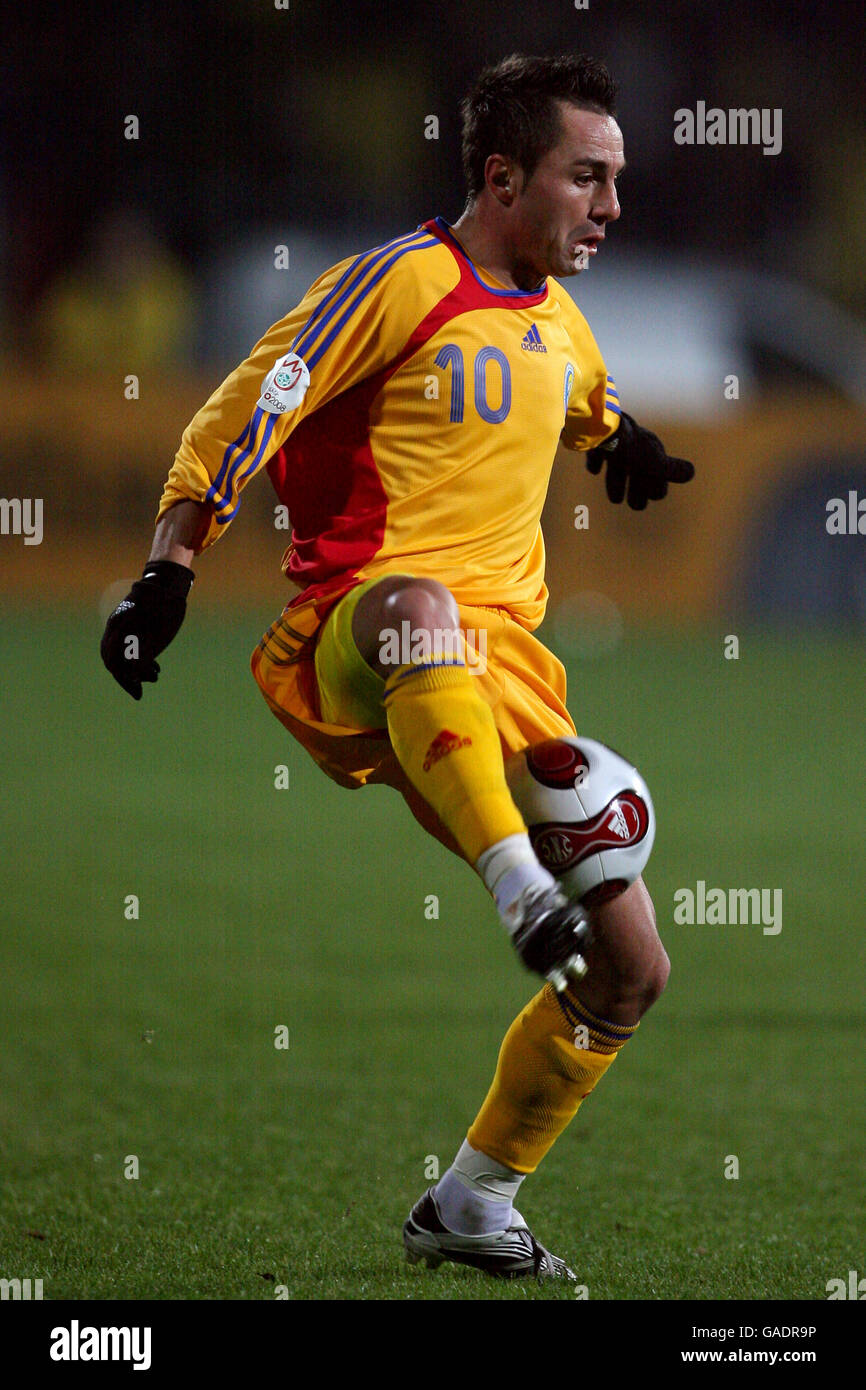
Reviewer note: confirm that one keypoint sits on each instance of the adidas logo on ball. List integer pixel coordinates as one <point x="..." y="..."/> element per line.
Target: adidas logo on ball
<point x="589" y="815"/>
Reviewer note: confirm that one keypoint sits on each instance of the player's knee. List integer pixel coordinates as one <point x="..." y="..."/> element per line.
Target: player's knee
<point x="636" y="964"/>
<point x="396" y="603"/>
<point x="656" y="977"/>
<point x="425" y="604"/>
<point x="653" y="967"/>
<point x="639" y="983"/>
<point x="656" y="965"/>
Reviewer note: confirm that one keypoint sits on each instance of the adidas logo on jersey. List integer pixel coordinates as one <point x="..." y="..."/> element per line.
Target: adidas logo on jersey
<point x="443" y="744"/>
<point x="531" y="342"/>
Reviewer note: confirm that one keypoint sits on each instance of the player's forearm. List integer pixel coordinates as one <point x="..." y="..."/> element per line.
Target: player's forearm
<point x="179" y="532"/>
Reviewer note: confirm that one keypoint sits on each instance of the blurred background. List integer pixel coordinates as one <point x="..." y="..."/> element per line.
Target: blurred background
<point x="729" y="303"/>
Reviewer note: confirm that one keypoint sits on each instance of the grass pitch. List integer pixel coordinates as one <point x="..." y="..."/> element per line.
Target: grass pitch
<point x="152" y="1039"/>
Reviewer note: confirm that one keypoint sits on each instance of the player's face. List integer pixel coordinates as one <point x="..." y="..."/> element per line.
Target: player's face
<point x="559" y="216"/>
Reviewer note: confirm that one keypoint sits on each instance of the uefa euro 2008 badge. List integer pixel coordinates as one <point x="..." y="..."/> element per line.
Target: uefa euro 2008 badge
<point x="285" y="385"/>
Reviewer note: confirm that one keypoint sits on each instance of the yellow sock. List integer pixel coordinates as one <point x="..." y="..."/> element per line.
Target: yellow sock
<point x="553" y="1055"/>
<point x="445" y="739"/>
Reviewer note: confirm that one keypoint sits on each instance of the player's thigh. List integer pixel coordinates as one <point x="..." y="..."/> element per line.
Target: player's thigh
<point x="350" y="691"/>
<point x="627" y="962"/>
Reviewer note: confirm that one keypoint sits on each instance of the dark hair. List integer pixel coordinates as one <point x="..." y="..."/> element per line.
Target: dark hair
<point x="512" y="108"/>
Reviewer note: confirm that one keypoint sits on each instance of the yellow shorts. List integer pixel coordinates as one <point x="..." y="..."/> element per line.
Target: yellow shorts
<point x="318" y="685"/>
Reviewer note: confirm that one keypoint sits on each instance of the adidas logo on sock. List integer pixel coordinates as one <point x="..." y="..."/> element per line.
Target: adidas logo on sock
<point x="531" y="342"/>
<point x="443" y="744"/>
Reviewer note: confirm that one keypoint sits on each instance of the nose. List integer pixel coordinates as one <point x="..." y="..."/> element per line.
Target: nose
<point x="607" y="208"/>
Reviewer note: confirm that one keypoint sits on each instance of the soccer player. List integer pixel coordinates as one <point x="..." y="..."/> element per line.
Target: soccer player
<point x="408" y="412"/>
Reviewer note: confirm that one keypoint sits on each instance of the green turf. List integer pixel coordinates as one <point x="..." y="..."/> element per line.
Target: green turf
<point x="306" y="908"/>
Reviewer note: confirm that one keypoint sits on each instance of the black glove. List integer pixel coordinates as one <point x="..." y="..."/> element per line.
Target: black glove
<point x="637" y="456"/>
<point x="151" y="613"/>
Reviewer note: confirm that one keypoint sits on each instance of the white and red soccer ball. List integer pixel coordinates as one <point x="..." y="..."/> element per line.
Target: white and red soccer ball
<point x="589" y="815"/>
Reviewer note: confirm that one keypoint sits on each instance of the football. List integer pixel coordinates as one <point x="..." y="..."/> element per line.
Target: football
<point x="589" y="814"/>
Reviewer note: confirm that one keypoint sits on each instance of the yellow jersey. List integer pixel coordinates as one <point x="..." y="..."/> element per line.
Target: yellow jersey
<point x="408" y="412"/>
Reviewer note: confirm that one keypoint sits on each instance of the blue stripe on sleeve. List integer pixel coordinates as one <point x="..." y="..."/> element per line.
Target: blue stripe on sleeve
<point x="359" y="299"/>
<point x="350" y="278"/>
<point x="237" y="453"/>
<point x="222" y="495"/>
<point x="214" y="489"/>
<point x="234" y="481"/>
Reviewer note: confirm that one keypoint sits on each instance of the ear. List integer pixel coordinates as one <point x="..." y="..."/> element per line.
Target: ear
<point x="499" y="177"/>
